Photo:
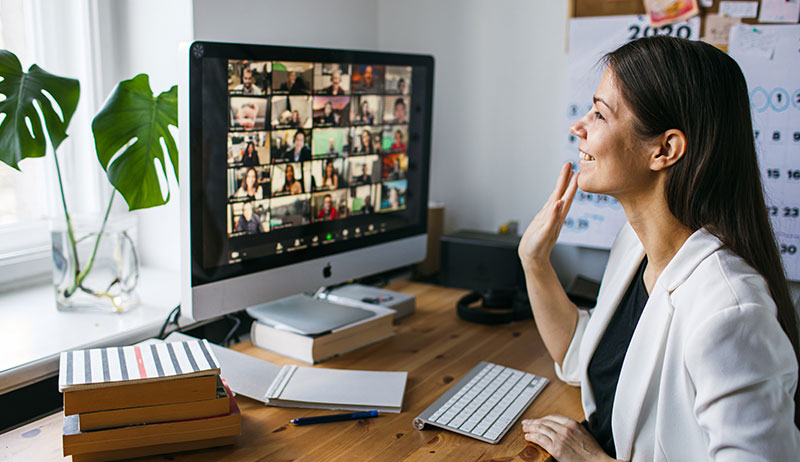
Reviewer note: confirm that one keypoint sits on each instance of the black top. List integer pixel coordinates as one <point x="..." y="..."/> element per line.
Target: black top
<point x="606" y="363"/>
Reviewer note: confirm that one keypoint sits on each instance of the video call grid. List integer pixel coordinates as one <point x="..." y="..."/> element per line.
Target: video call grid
<point x="318" y="141"/>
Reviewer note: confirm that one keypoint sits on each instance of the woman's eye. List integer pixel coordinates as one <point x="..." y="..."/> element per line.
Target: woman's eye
<point x="597" y="115"/>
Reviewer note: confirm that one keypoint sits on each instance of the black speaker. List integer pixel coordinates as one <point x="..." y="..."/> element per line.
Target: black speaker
<point x="477" y="260"/>
<point x="488" y="265"/>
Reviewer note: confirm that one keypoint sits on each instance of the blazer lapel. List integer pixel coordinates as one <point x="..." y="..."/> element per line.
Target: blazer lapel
<point x="620" y="272"/>
<point x="644" y="358"/>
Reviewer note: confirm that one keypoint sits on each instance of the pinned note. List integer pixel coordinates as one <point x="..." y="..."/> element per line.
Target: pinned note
<point x="739" y="9"/>
<point x="787" y="11"/>
<point x="753" y="40"/>
<point x="718" y="29"/>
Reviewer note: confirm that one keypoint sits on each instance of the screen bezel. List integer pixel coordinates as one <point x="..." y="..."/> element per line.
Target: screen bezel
<point x="230" y="51"/>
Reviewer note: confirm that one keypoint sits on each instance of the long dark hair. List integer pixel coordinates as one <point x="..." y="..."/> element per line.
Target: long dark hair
<point x="672" y="83"/>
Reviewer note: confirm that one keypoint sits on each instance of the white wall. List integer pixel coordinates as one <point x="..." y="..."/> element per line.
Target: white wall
<point x="499" y="73"/>
<point x="311" y="23"/>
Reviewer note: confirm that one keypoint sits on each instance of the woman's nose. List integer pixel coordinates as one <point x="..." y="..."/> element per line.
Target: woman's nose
<point x="578" y="129"/>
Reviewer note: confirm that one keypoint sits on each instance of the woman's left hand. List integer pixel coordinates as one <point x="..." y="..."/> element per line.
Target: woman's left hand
<point x="564" y="438"/>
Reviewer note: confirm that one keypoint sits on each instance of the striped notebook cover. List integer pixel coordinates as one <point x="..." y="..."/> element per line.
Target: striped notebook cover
<point x="113" y="366"/>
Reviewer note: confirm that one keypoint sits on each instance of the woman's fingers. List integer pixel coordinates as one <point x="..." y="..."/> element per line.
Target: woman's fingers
<point x="562" y="182"/>
<point x="569" y="195"/>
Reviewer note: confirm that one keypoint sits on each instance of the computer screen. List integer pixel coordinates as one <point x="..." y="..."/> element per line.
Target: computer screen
<point x="299" y="155"/>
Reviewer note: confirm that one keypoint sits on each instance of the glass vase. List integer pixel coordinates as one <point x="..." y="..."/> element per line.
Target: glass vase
<point x="97" y="274"/>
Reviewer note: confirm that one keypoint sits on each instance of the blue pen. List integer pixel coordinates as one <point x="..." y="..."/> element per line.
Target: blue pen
<point x="333" y="418"/>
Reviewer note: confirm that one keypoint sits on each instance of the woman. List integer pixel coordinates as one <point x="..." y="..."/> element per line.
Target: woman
<point x="249" y="187"/>
<point x="691" y="351"/>
<point x="295" y="121"/>
<point x="249" y="155"/>
<point x="330" y="179"/>
<point x="365" y="116"/>
<point x="367" y="145"/>
<point x="328" y="117"/>
<point x="291" y="185"/>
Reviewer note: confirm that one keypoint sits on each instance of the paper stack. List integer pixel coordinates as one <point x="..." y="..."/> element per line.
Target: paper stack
<point x="147" y="399"/>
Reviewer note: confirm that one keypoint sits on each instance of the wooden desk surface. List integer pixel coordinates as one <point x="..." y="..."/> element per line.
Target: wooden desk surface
<point x="433" y="345"/>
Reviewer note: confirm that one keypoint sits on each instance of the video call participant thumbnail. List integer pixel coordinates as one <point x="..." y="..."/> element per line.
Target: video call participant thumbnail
<point x="331" y="111"/>
<point x="248" y="149"/>
<point x="362" y="199"/>
<point x="366" y="140"/>
<point x="248" y="113"/>
<point x="298" y="150"/>
<point x="395" y="110"/>
<point x="367" y="110"/>
<point x="398" y="80"/>
<point x="363" y="170"/>
<point x="393" y="195"/>
<point x="367" y="78"/>
<point x="394" y="138"/>
<point x="332" y="79"/>
<point x="248" y="78"/>
<point x="249" y="217"/>
<point x="292" y="78"/>
<point x="328" y="206"/>
<point x="395" y="166"/>
<point x="248" y="182"/>
<point x="326" y="174"/>
<point x="288" y="179"/>
<point x="291" y="112"/>
<point x="289" y="211"/>
<point x="330" y="142"/>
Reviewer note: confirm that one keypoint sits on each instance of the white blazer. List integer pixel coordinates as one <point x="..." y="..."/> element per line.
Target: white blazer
<point x="709" y="373"/>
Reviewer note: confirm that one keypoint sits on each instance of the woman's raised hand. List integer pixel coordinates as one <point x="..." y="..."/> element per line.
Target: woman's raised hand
<point x="539" y="238"/>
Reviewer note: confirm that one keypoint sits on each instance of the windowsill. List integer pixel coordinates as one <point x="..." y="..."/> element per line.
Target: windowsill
<point x="33" y="332"/>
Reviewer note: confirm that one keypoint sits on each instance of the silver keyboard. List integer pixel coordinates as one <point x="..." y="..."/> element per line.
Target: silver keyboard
<point x="485" y="403"/>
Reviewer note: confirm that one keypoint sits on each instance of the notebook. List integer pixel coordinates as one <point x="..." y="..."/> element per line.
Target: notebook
<point x="308" y="387"/>
<point x="137" y="364"/>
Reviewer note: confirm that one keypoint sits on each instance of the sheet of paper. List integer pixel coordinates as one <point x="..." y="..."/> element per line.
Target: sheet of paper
<point x="739" y="9"/>
<point x="663" y="12"/>
<point x="718" y="29"/>
<point x="775" y="103"/>
<point x="706" y="3"/>
<point x="755" y="41"/>
<point x="594" y="220"/>
<point x="787" y="11"/>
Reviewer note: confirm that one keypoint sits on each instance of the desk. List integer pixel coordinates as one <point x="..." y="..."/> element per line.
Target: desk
<point x="433" y="345"/>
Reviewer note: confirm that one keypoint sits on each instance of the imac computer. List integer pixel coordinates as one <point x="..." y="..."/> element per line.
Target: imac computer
<point x="300" y="168"/>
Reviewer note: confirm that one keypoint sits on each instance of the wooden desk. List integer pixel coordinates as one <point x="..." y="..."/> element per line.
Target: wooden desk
<point x="433" y="345"/>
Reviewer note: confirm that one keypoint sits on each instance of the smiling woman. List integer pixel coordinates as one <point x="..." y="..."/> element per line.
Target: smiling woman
<point x="691" y="351"/>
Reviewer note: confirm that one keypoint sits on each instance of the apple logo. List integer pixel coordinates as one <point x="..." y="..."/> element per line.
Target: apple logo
<point x="327" y="271"/>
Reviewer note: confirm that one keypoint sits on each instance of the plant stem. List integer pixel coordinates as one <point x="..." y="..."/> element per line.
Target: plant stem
<point x="82" y="275"/>
<point x="73" y="246"/>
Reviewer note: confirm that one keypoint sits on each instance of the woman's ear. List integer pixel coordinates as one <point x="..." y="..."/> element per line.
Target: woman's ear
<point x="672" y="147"/>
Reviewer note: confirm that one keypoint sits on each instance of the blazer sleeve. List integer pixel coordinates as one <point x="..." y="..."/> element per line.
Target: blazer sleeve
<point x="745" y="374"/>
<point x="570" y="370"/>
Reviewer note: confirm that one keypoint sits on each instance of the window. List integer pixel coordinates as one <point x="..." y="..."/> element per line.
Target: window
<point x="24" y="237"/>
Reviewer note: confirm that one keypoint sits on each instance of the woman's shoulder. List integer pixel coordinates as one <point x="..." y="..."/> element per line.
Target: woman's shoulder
<point x="724" y="279"/>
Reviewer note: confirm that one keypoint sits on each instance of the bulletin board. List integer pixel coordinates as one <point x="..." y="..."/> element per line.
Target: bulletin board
<point x="769" y="55"/>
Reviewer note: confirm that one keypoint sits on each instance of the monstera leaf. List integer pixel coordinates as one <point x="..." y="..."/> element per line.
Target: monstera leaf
<point x="18" y="139"/>
<point x="127" y="136"/>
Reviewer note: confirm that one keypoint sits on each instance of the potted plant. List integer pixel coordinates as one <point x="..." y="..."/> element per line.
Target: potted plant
<point x="128" y="132"/>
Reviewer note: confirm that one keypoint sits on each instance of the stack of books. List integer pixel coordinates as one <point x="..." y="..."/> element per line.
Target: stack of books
<point x="146" y="399"/>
